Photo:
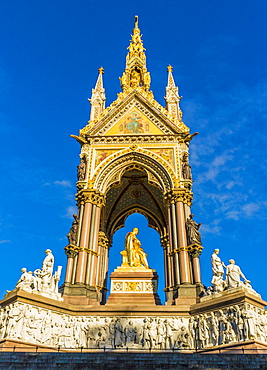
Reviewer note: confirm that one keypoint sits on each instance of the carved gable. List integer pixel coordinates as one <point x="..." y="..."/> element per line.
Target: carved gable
<point x="135" y="116"/>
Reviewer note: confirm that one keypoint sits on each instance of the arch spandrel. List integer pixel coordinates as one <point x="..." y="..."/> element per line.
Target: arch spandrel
<point x="110" y="172"/>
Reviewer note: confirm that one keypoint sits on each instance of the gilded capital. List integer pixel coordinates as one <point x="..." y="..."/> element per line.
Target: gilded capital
<point x="195" y="250"/>
<point x="71" y="250"/>
<point x="177" y="250"/>
<point x="165" y="241"/>
<point x="103" y="241"/>
<point x="175" y="195"/>
<point x="91" y="196"/>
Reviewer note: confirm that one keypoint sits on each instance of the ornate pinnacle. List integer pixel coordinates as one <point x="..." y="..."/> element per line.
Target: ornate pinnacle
<point x="135" y="75"/>
<point x="98" y="96"/>
<point x="172" y="97"/>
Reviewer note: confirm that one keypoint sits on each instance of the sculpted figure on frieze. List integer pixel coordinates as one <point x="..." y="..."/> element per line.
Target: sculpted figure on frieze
<point x="130" y="333"/>
<point x="202" y="332"/>
<point x="192" y="327"/>
<point x="248" y="316"/>
<point x="161" y="332"/>
<point x="118" y="334"/>
<point x="182" y="339"/>
<point x="214" y="329"/>
<point x="147" y="340"/>
<point x="169" y="334"/>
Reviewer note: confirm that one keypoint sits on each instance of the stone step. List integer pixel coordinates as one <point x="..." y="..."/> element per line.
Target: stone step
<point x="130" y="360"/>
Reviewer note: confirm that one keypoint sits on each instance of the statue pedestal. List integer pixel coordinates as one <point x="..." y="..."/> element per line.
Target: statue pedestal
<point x="134" y="285"/>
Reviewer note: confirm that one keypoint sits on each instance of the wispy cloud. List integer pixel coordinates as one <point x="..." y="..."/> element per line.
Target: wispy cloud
<point x="64" y="183"/>
<point x="212" y="228"/>
<point x="71" y="210"/>
<point x="228" y="166"/>
<point x="5" y="241"/>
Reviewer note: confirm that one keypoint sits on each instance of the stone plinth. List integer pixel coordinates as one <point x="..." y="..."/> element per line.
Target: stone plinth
<point x="134" y="285"/>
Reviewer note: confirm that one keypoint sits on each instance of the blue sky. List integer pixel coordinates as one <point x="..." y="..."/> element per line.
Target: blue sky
<point x="50" y="53"/>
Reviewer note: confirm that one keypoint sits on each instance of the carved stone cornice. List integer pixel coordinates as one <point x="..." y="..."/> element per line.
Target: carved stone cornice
<point x="129" y="139"/>
<point x="175" y="195"/>
<point x="91" y="196"/>
<point x="195" y="250"/>
<point x="71" y="250"/>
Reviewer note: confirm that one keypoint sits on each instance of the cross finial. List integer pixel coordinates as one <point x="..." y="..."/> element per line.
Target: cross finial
<point x="136" y="21"/>
<point x="169" y="68"/>
<point x="101" y="70"/>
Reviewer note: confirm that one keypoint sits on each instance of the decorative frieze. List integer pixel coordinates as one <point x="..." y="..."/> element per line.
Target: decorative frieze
<point x="127" y="139"/>
<point x="136" y="286"/>
<point x="39" y="326"/>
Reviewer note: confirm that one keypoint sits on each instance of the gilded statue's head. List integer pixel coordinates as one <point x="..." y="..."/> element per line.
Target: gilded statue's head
<point x="135" y="230"/>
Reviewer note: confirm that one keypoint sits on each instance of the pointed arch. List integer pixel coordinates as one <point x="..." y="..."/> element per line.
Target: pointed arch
<point x="159" y="174"/>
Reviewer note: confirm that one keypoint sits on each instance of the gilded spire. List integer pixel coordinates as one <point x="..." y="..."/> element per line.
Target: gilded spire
<point x="135" y="75"/>
<point x="172" y="97"/>
<point x="98" y="96"/>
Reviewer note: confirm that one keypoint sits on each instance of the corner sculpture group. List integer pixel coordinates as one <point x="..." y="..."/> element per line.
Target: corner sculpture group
<point x="42" y="281"/>
<point x="233" y="275"/>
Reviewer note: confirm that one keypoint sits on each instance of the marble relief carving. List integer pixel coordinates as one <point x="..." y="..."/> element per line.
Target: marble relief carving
<point x="38" y="326"/>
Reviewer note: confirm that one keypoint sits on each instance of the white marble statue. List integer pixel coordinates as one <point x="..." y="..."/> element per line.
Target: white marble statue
<point x="26" y="281"/>
<point x="233" y="274"/>
<point x="217" y="271"/>
<point x="43" y="281"/>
